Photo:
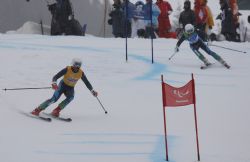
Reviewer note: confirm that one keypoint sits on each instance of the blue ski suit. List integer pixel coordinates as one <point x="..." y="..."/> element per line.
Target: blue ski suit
<point x="195" y="43"/>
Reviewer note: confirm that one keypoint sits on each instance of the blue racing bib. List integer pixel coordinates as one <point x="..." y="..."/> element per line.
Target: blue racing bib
<point x="192" y="38"/>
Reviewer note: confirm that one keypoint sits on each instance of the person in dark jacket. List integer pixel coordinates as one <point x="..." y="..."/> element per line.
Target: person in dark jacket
<point x="70" y="74"/>
<point x="116" y="16"/>
<point x="62" y="14"/>
<point x="227" y="22"/>
<point x="187" y="16"/>
<point x="128" y="14"/>
<point x="63" y="10"/>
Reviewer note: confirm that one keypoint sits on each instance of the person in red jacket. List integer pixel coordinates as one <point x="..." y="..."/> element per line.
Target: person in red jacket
<point x="201" y="16"/>
<point x="233" y="4"/>
<point x="163" y="19"/>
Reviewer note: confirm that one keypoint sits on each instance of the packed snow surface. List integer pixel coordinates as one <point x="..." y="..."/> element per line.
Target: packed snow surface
<point x="133" y="130"/>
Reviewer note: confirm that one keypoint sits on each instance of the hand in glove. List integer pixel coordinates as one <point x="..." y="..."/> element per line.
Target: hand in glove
<point x="209" y="32"/>
<point x="176" y="49"/>
<point x="70" y="17"/>
<point x="54" y="86"/>
<point x="94" y="93"/>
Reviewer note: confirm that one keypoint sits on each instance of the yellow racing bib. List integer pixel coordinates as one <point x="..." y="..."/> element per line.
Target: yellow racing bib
<point x="71" y="78"/>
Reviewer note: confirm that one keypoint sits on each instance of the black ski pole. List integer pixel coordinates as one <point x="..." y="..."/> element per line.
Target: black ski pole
<point x="101" y="105"/>
<point x="172" y="56"/>
<point x="9" y="89"/>
<point x="228" y="48"/>
<point x="245" y="35"/>
<point x="126" y="29"/>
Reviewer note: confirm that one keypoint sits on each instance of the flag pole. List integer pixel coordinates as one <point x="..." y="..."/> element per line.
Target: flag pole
<point x="126" y="30"/>
<point x="164" y="116"/>
<point x="195" y="118"/>
<point x="152" y="31"/>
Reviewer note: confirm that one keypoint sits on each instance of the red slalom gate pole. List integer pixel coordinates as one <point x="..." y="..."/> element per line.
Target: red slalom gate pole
<point x="195" y="118"/>
<point x="164" y="117"/>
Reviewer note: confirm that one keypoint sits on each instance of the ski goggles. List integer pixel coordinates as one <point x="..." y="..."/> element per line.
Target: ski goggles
<point x="77" y="64"/>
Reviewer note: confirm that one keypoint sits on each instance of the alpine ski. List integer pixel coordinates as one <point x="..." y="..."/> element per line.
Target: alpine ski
<point x="58" y="118"/>
<point x="36" y="117"/>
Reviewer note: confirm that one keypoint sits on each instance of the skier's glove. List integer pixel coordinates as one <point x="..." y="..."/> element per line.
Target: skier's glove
<point x="70" y="17"/>
<point x="94" y="93"/>
<point x="54" y="86"/>
<point x="176" y="49"/>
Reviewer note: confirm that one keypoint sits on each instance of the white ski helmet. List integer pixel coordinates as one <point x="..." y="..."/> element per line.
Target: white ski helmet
<point x="189" y="29"/>
<point x="76" y="62"/>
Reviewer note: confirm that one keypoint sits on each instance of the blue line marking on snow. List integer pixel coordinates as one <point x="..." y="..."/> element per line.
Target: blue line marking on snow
<point x="109" y="142"/>
<point x="93" y="153"/>
<point x="156" y="69"/>
<point x="157" y="142"/>
<point x="153" y="74"/>
<point x="45" y="47"/>
<point x="159" y="153"/>
<point x="109" y="134"/>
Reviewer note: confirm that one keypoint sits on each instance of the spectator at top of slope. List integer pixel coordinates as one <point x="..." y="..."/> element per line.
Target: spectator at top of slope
<point x="227" y="24"/>
<point x="63" y="21"/>
<point x="163" y="19"/>
<point x="187" y="16"/>
<point x="150" y="32"/>
<point x="128" y="13"/>
<point x="201" y="17"/>
<point x="210" y="20"/>
<point x="233" y="4"/>
<point x="116" y="15"/>
<point x="64" y="10"/>
<point x="138" y="25"/>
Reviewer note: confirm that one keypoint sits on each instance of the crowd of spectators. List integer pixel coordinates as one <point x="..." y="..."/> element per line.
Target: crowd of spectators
<point x="147" y="19"/>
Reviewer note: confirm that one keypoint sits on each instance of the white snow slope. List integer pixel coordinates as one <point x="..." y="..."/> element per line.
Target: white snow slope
<point x="132" y="131"/>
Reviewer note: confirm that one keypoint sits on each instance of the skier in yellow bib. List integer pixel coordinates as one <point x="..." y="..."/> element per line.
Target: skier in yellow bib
<point x="71" y="74"/>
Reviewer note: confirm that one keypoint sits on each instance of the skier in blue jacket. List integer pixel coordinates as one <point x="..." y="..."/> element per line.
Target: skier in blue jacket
<point x="195" y="43"/>
<point x="71" y="74"/>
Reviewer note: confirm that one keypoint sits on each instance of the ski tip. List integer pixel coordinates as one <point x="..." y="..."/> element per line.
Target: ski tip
<point x="58" y="118"/>
<point x="203" y="67"/>
<point x="41" y="117"/>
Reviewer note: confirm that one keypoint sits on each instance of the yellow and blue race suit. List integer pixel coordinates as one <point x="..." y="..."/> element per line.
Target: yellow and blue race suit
<point x="66" y="86"/>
